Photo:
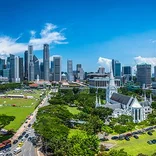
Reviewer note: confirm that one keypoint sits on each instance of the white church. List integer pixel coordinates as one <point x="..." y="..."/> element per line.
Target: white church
<point x="122" y="104"/>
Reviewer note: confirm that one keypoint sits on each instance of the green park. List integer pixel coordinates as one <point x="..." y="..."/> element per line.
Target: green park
<point x="20" y="108"/>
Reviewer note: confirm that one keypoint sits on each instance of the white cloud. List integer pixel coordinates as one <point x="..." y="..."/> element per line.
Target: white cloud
<point x="10" y="45"/>
<point x="105" y="62"/>
<point x="47" y="35"/>
<point x="148" y="60"/>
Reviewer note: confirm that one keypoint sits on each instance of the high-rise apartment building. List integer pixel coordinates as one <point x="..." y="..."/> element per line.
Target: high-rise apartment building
<point x="36" y="67"/>
<point x="116" y="67"/>
<point x="21" y="75"/>
<point x="70" y="70"/>
<point x="57" y="68"/>
<point x="26" y="65"/>
<point x="31" y="63"/>
<point x="46" y="61"/>
<point x="144" y="74"/>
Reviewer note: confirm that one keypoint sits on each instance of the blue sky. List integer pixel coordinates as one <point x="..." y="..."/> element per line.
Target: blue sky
<point x="81" y="30"/>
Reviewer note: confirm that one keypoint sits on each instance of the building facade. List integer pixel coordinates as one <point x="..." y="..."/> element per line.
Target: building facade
<point x="116" y="67"/>
<point x="26" y="65"/>
<point x="21" y="73"/>
<point x="46" y="61"/>
<point x="70" y="70"/>
<point x="57" y="68"/>
<point x="155" y="72"/>
<point x="144" y="74"/>
<point x="36" y="67"/>
<point x="31" y="63"/>
<point x="16" y="76"/>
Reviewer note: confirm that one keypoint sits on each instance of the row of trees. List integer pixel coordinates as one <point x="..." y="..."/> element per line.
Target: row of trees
<point x="7" y="86"/>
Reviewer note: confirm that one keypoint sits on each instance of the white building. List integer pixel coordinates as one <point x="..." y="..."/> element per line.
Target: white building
<point x="122" y="104"/>
<point x="17" y="78"/>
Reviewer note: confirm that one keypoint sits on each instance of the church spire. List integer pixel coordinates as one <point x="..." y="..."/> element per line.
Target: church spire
<point x="111" y="78"/>
<point x="150" y="98"/>
<point x="145" y="99"/>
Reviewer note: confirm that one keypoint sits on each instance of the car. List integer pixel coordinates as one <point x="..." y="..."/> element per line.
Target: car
<point x="29" y="125"/>
<point x="23" y="133"/>
<point x="30" y="138"/>
<point x="106" y="149"/>
<point x="121" y="137"/>
<point x="20" y="144"/>
<point x="20" y="137"/>
<point x="135" y="136"/>
<point x="26" y="136"/>
<point x="7" y="150"/>
<point x="154" y="141"/>
<point x="149" y="133"/>
<point x="129" y="134"/>
<point x="149" y="142"/>
<point x="15" y="141"/>
<point x="127" y="138"/>
<point x="9" y="154"/>
<point x="114" y="137"/>
<point x="1" y="154"/>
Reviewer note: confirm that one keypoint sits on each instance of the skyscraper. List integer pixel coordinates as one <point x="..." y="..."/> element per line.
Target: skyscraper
<point x="127" y="73"/>
<point x="21" y="68"/>
<point x="52" y="67"/>
<point x="41" y="71"/>
<point x="70" y="70"/>
<point x="80" y="72"/>
<point x="57" y="68"/>
<point x="26" y="65"/>
<point x="31" y="63"/>
<point x="12" y="68"/>
<point x="36" y="66"/>
<point x="144" y="74"/>
<point x="16" y="74"/>
<point x="155" y="72"/>
<point x="2" y="63"/>
<point x="116" y="67"/>
<point x="46" y="61"/>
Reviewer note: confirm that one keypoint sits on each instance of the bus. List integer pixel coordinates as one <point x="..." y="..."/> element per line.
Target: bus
<point x="17" y="150"/>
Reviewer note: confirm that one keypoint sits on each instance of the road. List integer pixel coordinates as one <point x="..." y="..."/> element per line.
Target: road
<point x="28" y="149"/>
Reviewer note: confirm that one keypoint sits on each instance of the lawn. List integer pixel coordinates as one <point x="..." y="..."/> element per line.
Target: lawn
<point x="73" y="132"/>
<point x="73" y="110"/>
<point x="23" y="108"/>
<point x="136" y="146"/>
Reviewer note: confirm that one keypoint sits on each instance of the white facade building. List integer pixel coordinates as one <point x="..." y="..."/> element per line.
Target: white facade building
<point x="122" y="104"/>
<point x="17" y="78"/>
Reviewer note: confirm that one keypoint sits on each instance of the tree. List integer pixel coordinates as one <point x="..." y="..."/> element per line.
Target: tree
<point x="124" y="119"/>
<point x="78" y="145"/>
<point x="5" y="120"/>
<point x="102" y="112"/>
<point x="120" y="129"/>
<point x="153" y="105"/>
<point x="76" y="90"/>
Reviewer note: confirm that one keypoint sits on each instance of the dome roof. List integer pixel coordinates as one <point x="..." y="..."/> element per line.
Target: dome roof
<point x="136" y="104"/>
<point x="63" y="74"/>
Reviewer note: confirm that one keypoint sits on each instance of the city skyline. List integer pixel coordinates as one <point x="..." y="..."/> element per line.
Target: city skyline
<point x="113" y="32"/>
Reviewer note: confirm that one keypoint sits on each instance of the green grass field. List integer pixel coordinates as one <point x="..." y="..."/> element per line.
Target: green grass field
<point x="136" y="146"/>
<point x="73" y="110"/>
<point x="23" y="108"/>
<point x="73" y="132"/>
